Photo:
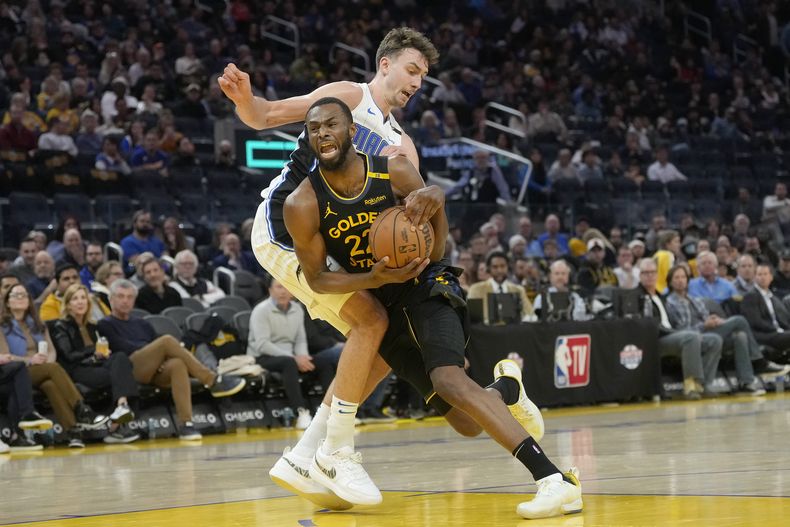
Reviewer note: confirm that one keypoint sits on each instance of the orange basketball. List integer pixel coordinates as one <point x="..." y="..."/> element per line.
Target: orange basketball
<point x="391" y="235"/>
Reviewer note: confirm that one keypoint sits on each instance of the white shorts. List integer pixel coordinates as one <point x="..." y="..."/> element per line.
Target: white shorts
<point x="282" y="264"/>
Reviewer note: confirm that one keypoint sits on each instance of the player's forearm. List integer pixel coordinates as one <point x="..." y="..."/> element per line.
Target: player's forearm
<point x="255" y="113"/>
<point x="339" y="282"/>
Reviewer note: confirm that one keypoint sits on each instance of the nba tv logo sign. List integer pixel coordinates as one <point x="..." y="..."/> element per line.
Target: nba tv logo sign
<point x="572" y="361"/>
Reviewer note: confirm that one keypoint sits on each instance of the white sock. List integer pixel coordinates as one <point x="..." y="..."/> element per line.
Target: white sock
<point x="308" y="443"/>
<point x="340" y="425"/>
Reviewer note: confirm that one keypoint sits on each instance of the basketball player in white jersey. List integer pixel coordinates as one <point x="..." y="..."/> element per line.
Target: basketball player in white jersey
<point x="402" y="59"/>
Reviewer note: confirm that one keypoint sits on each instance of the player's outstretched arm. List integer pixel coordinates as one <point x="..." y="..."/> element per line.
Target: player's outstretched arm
<point x="302" y="221"/>
<point x="258" y="113"/>
<point x="422" y="203"/>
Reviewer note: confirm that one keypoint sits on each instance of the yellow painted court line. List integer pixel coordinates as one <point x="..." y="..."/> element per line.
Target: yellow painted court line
<point x="455" y="509"/>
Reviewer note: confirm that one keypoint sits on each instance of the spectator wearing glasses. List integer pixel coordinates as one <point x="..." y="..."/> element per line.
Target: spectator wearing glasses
<point x="188" y="284"/>
<point x="27" y="340"/>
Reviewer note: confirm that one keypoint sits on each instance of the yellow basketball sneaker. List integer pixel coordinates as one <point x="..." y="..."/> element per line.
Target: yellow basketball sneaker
<point x="524" y="410"/>
<point x="555" y="497"/>
<point x="292" y="472"/>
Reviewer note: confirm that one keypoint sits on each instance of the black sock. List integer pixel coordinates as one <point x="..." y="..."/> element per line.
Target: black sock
<point x="532" y="457"/>
<point x="508" y="388"/>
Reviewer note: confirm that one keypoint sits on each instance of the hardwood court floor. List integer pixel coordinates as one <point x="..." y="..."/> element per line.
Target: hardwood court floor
<point x="724" y="462"/>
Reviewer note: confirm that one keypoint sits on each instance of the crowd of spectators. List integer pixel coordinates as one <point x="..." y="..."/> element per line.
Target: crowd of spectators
<point x="615" y="97"/>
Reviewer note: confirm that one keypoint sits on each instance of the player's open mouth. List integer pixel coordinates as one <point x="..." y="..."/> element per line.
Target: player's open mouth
<point x="327" y="148"/>
<point x="407" y="94"/>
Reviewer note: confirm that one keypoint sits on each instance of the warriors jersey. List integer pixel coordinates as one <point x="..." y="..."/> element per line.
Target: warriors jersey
<point x="345" y="221"/>
<point x="374" y="132"/>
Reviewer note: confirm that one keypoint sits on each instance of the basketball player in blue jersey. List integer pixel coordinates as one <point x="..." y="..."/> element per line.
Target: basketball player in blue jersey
<point x="426" y="338"/>
<point x="402" y="60"/>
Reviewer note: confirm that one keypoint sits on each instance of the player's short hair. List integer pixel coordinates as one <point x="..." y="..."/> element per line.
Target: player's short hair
<point x="402" y="38"/>
<point x="323" y="101"/>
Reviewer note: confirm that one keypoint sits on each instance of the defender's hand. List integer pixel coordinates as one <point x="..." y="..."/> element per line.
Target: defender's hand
<point x="422" y="204"/>
<point x="393" y="151"/>
<point x="236" y="85"/>
<point x="383" y="275"/>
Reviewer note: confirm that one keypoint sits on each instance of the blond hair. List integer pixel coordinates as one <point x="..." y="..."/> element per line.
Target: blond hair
<point x="68" y="295"/>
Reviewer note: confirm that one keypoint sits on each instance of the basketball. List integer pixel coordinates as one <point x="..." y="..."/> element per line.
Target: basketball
<point x="391" y="235"/>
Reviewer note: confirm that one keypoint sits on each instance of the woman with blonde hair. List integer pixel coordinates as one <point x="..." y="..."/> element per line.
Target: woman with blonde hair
<point x="89" y="360"/>
<point x="27" y="340"/>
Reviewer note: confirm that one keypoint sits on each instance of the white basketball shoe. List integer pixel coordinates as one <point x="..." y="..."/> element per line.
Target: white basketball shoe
<point x="524" y="410"/>
<point x="292" y="472"/>
<point x="342" y="473"/>
<point x="555" y="497"/>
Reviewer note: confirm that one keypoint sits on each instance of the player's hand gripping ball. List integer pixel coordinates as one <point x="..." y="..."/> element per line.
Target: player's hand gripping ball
<point x="392" y="235"/>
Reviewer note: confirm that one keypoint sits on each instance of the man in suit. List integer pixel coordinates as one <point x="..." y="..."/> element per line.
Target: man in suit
<point x="498" y="267"/>
<point x="767" y="315"/>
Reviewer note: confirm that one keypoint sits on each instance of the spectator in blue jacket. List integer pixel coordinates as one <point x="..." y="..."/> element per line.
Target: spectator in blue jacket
<point x="142" y="239"/>
<point x="234" y="258"/>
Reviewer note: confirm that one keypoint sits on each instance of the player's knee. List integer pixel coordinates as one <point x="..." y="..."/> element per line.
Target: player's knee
<point x="447" y="384"/>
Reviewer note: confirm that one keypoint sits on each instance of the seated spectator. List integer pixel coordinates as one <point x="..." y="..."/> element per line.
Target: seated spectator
<point x="74" y="335"/>
<point x="744" y="282"/>
<point x="51" y="308"/>
<point x="781" y="280"/>
<point x="666" y="255"/>
<point x="156" y="295"/>
<point x="191" y="106"/>
<point x="744" y="204"/>
<point x="734" y="332"/>
<point x="24" y="267"/>
<point x="278" y="342"/>
<point x="776" y="207"/>
<point x="58" y="138"/>
<point x="73" y="248"/>
<point x="593" y="272"/>
<point x="15" y="382"/>
<point x="14" y="135"/>
<point x="148" y="156"/>
<point x="767" y="315"/>
<point x="160" y="361"/>
<point x="563" y="168"/>
<point x="189" y="285"/>
<point x="185" y="155"/>
<point x="591" y="167"/>
<point x="142" y="239"/>
<point x="30" y="119"/>
<point x="44" y="282"/>
<point x="118" y="89"/>
<point x="60" y="110"/>
<point x="483" y="183"/>
<point x="110" y="157"/>
<point x="662" y="170"/>
<point x="225" y="156"/>
<point x="26" y="339"/>
<point x="325" y="345"/>
<point x="7" y="281"/>
<point x="546" y="124"/>
<point x="94" y="258"/>
<point x="710" y="284"/>
<point x="148" y="103"/>
<point x="107" y="273"/>
<point x="234" y="258"/>
<point x="559" y="278"/>
<point x="552" y="232"/>
<point x="699" y="354"/>
<point x="174" y="238"/>
<point x="55" y="248"/>
<point x="88" y="140"/>
<point x="497" y="265"/>
<point x="626" y="272"/>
